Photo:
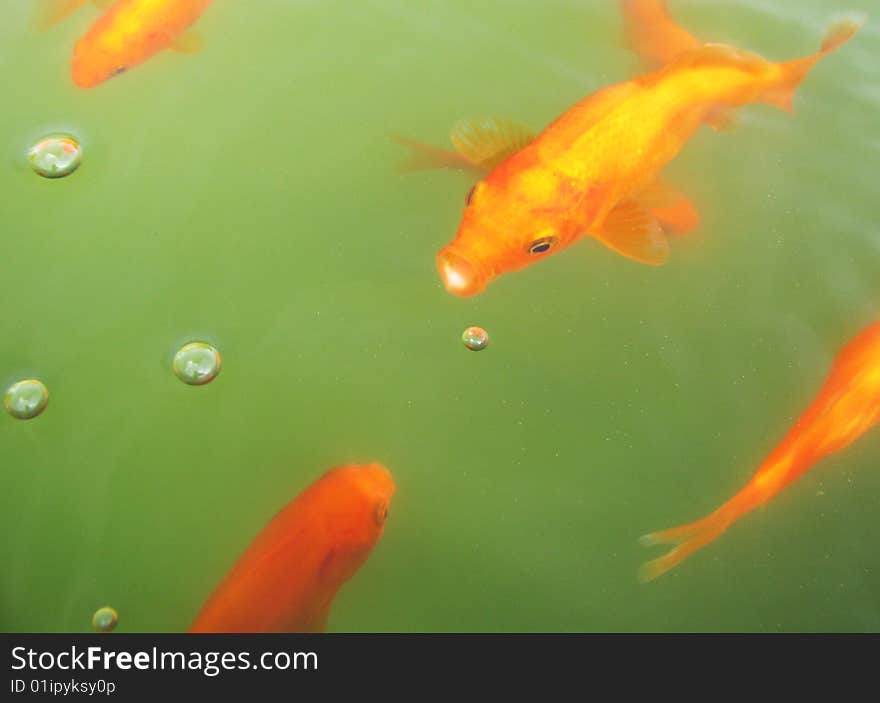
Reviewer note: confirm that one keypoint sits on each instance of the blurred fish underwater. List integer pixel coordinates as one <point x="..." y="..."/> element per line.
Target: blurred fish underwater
<point x="243" y="201"/>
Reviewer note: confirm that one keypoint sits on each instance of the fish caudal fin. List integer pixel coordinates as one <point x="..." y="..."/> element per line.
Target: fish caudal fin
<point x="686" y="538"/>
<point x="424" y="157"/>
<point x="793" y="72"/>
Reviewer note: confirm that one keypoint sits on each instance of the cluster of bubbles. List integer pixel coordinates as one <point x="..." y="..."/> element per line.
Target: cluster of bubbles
<point x="196" y="364"/>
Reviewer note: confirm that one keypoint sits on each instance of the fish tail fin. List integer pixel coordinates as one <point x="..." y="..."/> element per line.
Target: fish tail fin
<point x="424" y="157"/>
<point x="686" y="538"/>
<point x="793" y="72"/>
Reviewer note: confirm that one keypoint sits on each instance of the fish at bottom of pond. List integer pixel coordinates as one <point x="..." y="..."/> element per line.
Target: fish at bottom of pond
<point x="846" y="407"/>
<point x="287" y="578"/>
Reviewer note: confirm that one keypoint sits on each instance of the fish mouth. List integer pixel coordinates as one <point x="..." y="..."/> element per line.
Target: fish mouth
<point x="460" y="276"/>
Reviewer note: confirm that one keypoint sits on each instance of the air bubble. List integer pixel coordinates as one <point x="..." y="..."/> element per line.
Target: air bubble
<point x="475" y="338"/>
<point x="197" y="363"/>
<point x="105" y="619"/>
<point x="26" y="399"/>
<point x="55" y="156"/>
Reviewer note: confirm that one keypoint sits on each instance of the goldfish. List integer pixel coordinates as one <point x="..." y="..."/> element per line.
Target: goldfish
<point x="596" y="170"/>
<point x="286" y="580"/>
<point x="127" y="34"/>
<point x="847" y="405"/>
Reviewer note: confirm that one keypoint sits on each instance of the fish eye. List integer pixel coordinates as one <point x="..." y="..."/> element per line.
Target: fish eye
<point x="469" y="196"/>
<point x="539" y="246"/>
<point x="381" y="514"/>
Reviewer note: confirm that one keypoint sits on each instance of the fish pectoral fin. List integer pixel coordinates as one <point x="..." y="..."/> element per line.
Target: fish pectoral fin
<point x="187" y="43"/>
<point x="674" y="211"/>
<point x="630" y="230"/>
<point x="721" y="119"/>
<point x="487" y="141"/>
<point x="653" y="34"/>
<point x="424" y="157"/>
<point x="51" y="12"/>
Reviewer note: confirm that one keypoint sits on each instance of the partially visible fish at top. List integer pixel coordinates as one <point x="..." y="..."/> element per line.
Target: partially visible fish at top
<point x="846" y="407"/>
<point x="595" y="171"/>
<point x="127" y="34"/>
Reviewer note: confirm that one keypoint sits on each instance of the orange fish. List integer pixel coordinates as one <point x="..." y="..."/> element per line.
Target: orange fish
<point x="127" y="34"/>
<point x="287" y="578"/>
<point x="847" y="406"/>
<point x="596" y="170"/>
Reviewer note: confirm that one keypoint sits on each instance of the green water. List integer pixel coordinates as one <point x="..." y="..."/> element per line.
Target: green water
<point x="247" y="196"/>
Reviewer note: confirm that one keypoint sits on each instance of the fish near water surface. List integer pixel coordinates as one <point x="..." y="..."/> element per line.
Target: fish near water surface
<point x="128" y="33"/>
<point x="596" y="170"/>
<point x="287" y="578"/>
<point x="847" y="405"/>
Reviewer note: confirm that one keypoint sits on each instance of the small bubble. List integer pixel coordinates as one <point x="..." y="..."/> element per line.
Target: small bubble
<point x="56" y="156"/>
<point x="475" y="338"/>
<point x="26" y="399"/>
<point x="105" y="619"/>
<point x="197" y="363"/>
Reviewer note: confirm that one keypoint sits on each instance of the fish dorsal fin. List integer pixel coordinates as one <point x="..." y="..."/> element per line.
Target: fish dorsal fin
<point x="187" y="43"/>
<point x="667" y="205"/>
<point x="720" y="55"/>
<point x="630" y="230"/>
<point x="486" y="142"/>
<point x="424" y="157"/>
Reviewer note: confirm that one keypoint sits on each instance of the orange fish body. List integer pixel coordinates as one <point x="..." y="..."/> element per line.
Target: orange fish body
<point x="847" y="405"/>
<point x="287" y="578"/>
<point x="595" y="169"/>
<point x="129" y="33"/>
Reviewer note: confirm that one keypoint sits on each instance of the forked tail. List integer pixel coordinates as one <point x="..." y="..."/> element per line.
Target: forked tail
<point x="793" y="72"/>
<point x="686" y="538"/>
